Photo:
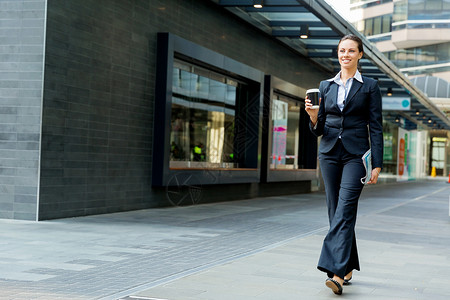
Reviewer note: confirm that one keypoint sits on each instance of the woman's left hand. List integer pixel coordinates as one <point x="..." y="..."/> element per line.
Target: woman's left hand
<point x="374" y="177"/>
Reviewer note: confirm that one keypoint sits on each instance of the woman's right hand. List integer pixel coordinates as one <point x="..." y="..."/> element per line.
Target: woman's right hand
<point x="312" y="112"/>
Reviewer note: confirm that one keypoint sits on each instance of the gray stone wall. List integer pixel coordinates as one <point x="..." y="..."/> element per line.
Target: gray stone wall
<point x="22" y="27"/>
<point x="99" y="94"/>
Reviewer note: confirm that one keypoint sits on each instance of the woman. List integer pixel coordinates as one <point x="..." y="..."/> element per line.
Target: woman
<point x="350" y="122"/>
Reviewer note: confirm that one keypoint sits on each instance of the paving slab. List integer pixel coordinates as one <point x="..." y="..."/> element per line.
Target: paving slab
<point x="265" y="248"/>
<point x="403" y="251"/>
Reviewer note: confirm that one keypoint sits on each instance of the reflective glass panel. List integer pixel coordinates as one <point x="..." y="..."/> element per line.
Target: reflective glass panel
<point x="368" y="28"/>
<point x="433" y="5"/>
<point x="203" y="118"/>
<point x="386" y="26"/>
<point x="421" y="56"/>
<point x="400" y="11"/>
<point x="446" y="5"/>
<point x="285" y="133"/>
<point x="377" y="25"/>
<point x="438" y="155"/>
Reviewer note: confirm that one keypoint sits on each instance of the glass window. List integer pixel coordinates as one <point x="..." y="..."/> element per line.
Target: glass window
<point x="202" y="131"/>
<point x="373" y="26"/>
<point x="386" y="24"/>
<point x="368" y="27"/>
<point x="426" y="55"/>
<point x="390" y="55"/>
<point x="400" y="11"/>
<point x="285" y="133"/>
<point x="443" y="52"/>
<point x="416" y="5"/>
<point x="446" y="5"/>
<point x="377" y="25"/>
<point x="390" y="137"/>
<point x="438" y="153"/>
<point x="433" y="5"/>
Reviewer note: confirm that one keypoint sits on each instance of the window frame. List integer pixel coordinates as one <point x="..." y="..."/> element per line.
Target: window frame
<point x="169" y="48"/>
<point x="308" y="142"/>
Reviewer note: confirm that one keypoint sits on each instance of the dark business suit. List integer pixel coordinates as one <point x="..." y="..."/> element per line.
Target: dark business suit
<point x="345" y="138"/>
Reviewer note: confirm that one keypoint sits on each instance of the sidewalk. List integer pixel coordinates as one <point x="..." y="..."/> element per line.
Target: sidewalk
<point x="254" y="249"/>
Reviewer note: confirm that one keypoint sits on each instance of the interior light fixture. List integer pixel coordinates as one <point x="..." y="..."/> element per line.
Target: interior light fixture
<point x="389" y="92"/>
<point x="429" y="120"/>
<point x="417" y="112"/>
<point x="304" y="31"/>
<point x="257" y="3"/>
<point x="397" y="119"/>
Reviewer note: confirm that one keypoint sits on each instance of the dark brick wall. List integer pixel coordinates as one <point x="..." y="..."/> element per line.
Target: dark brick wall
<point x="99" y="94"/>
<point x="21" y="74"/>
<point x="96" y="146"/>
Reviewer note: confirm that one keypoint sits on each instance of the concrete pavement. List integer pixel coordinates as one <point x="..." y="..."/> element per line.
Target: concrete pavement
<point x="254" y="249"/>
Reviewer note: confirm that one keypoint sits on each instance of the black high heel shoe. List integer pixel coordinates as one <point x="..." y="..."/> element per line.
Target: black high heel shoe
<point x="347" y="281"/>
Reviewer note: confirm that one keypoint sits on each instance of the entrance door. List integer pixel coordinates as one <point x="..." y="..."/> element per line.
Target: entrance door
<point x="438" y="154"/>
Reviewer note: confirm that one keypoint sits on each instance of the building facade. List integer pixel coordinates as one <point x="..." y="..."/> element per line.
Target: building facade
<point x="415" y="35"/>
<point x="112" y="105"/>
<point x="78" y="102"/>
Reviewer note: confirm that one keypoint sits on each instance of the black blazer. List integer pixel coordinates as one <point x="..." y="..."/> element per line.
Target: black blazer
<point x="360" y="119"/>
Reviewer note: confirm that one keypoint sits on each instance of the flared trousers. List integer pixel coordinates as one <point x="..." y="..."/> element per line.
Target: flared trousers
<point x="342" y="173"/>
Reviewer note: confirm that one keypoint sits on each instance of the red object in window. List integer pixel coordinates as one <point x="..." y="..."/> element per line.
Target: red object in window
<point x="401" y="157"/>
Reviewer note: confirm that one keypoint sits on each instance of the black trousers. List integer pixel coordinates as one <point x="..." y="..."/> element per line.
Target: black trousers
<point x="341" y="172"/>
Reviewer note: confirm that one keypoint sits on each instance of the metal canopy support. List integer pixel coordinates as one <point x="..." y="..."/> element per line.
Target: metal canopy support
<point x="321" y="34"/>
<point x="297" y="23"/>
<point x="322" y="54"/>
<point x="319" y="46"/>
<point x="285" y="9"/>
<point x="266" y="2"/>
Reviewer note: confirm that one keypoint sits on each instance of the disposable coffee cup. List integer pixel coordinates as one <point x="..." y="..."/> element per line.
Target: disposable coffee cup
<point x="313" y="96"/>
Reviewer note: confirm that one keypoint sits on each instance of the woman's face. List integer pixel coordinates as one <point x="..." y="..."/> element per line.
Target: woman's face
<point x="349" y="54"/>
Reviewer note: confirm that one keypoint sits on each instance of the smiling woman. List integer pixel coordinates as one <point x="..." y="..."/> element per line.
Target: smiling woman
<point x="349" y="120"/>
<point x="349" y="53"/>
